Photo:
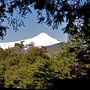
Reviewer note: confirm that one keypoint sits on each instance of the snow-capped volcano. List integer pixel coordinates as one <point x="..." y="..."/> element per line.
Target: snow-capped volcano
<point x="40" y="40"/>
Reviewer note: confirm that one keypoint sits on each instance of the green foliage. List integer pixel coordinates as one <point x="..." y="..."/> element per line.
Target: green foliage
<point x="80" y="47"/>
<point x="2" y="66"/>
<point x="34" y="69"/>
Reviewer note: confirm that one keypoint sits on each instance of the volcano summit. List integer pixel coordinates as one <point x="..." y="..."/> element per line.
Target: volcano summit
<point x="42" y="39"/>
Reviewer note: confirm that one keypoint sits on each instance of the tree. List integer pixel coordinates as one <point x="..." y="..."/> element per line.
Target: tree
<point x="55" y="68"/>
<point x="2" y="67"/>
<point x="81" y="48"/>
<point x="56" y="12"/>
<point x="34" y="69"/>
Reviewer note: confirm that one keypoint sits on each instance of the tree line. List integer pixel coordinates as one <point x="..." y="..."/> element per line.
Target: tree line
<point x="36" y="70"/>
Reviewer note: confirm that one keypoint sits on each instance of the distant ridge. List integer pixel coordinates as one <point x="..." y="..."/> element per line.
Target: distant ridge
<point x="42" y="39"/>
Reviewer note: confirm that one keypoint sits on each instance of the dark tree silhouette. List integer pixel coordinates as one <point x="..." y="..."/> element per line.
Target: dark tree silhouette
<point x="56" y="11"/>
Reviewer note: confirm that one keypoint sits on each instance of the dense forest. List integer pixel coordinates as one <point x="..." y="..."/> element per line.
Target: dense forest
<point x="35" y="69"/>
<point x="41" y="68"/>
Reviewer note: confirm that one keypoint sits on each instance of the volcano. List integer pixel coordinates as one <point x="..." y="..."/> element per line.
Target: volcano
<point x="42" y="39"/>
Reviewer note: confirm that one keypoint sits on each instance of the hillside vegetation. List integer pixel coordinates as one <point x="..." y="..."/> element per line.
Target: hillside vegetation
<point x="39" y="67"/>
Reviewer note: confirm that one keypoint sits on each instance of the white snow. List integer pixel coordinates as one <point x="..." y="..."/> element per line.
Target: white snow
<point x="40" y="40"/>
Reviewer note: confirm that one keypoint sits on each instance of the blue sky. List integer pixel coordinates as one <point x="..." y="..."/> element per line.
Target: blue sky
<point x="32" y="28"/>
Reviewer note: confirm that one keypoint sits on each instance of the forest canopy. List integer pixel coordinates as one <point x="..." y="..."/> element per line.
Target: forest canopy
<point x="36" y="69"/>
<point x="32" y="70"/>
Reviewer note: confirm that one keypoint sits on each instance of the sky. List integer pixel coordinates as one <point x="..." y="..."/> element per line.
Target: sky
<point x="32" y="28"/>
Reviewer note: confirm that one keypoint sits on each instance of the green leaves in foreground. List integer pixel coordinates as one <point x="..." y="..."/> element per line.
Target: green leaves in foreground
<point x="33" y="70"/>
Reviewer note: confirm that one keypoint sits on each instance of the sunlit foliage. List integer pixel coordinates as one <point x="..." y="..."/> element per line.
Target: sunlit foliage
<point x="34" y="69"/>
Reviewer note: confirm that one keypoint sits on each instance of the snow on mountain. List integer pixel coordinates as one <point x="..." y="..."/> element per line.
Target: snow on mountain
<point x="40" y="40"/>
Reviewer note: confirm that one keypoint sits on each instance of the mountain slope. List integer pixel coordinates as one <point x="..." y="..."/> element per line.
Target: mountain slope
<point x="52" y="50"/>
<point x="40" y="40"/>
